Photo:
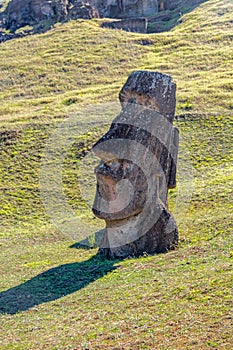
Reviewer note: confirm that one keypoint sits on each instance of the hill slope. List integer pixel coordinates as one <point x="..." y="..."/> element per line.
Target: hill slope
<point x="68" y="298"/>
<point x="66" y="62"/>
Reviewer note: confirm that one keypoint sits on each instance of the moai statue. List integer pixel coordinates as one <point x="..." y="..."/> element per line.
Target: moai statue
<point x="138" y="165"/>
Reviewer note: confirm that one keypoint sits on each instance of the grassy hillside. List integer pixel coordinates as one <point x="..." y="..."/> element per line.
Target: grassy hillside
<point x="55" y="297"/>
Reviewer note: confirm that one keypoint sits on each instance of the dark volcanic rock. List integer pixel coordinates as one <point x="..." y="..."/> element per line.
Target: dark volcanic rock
<point x="151" y="89"/>
<point x="127" y="8"/>
<point x="20" y="13"/>
<point x="83" y="10"/>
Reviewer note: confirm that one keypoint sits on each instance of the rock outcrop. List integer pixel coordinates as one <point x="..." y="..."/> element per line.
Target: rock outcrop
<point x="20" y="13"/>
<point x="138" y="165"/>
<point x="127" y="8"/>
<point x="83" y="10"/>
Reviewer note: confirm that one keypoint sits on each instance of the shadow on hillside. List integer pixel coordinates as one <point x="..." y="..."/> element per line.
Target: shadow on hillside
<point x="54" y="284"/>
<point x="93" y="241"/>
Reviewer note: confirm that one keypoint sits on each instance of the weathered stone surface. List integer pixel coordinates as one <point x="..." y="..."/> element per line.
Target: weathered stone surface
<point x="26" y="12"/>
<point x="20" y="13"/>
<point x="138" y="165"/>
<point x="83" y="10"/>
<point x="127" y="8"/>
<point x="151" y="89"/>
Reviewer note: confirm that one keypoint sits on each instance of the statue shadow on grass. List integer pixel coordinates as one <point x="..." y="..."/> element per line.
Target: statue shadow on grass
<point x="54" y="284"/>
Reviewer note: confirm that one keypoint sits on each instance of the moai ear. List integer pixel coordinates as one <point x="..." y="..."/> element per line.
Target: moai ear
<point x="173" y="154"/>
